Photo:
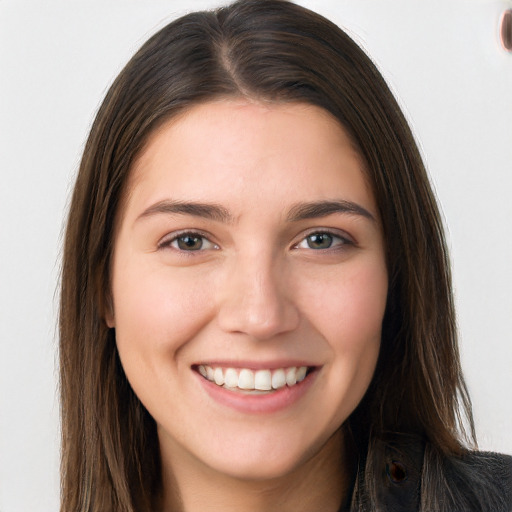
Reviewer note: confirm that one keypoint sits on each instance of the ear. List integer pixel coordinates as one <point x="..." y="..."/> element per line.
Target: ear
<point x="109" y="315"/>
<point x="110" y="321"/>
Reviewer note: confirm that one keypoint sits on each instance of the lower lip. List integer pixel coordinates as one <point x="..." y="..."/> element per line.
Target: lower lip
<point x="259" y="404"/>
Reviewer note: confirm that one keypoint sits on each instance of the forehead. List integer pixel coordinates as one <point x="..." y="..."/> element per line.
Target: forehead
<point x="251" y="149"/>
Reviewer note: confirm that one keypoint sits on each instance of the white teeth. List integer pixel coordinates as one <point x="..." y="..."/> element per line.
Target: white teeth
<point x="246" y="379"/>
<point x="250" y="380"/>
<point x="301" y="373"/>
<point x="278" y="379"/>
<point x="291" y="376"/>
<point x="231" y="378"/>
<point x="218" y="376"/>
<point x="263" y="380"/>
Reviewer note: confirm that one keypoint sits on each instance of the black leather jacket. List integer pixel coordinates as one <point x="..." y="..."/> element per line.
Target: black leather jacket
<point x="482" y="479"/>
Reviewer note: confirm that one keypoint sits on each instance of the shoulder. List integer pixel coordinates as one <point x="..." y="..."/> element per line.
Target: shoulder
<point x="471" y="482"/>
<point x="485" y="477"/>
<point x="489" y="465"/>
<point x="412" y="475"/>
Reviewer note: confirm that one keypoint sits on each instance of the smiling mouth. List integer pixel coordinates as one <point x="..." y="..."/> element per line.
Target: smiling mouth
<point x="254" y="381"/>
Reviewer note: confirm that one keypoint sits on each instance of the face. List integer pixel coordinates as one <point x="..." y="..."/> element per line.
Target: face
<point x="249" y="284"/>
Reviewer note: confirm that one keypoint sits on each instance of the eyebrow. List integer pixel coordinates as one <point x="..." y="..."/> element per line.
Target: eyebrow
<point x="206" y="210"/>
<point x="315" y="209"/>
<point x="298" y="212"/>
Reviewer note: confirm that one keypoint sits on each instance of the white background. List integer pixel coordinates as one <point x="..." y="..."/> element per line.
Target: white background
<point x="57" y="58"/>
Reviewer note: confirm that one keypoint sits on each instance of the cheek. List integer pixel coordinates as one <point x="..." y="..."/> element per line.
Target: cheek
<point x="347" y="312"/>
<point x="158" y="311"/>
<point x="349" y="317"/>
<point x="351" y="308"/>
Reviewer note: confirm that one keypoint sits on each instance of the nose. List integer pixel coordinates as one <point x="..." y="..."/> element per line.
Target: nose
<point x="256" y="300"/>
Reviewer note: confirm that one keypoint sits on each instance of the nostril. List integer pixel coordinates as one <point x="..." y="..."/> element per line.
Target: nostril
<point x="396" y="472"/>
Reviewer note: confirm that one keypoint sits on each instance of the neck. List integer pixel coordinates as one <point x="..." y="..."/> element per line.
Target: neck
<point x="320" y="483"/>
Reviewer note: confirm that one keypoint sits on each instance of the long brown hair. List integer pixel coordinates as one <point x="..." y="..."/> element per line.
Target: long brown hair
<point x="267" y="50"/>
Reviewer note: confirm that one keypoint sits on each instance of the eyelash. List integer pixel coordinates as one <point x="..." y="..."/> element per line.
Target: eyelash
<point x="168" y="242"/>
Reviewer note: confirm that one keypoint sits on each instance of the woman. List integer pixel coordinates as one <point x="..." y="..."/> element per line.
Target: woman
<point x="256" y="308"/>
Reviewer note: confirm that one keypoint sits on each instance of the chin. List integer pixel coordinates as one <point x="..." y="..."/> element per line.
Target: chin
<point x="261" y="461"/>
<point x="260" y="469"/>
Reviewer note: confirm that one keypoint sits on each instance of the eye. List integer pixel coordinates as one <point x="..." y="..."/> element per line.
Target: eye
<point x="188" y="242"/>
<point x="322" y="240"/>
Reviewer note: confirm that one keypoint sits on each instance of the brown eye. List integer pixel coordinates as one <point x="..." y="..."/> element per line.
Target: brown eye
<point x="189" y="242"/>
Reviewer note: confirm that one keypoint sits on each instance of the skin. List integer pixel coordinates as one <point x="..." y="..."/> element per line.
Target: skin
<point x="258" y="290"/>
